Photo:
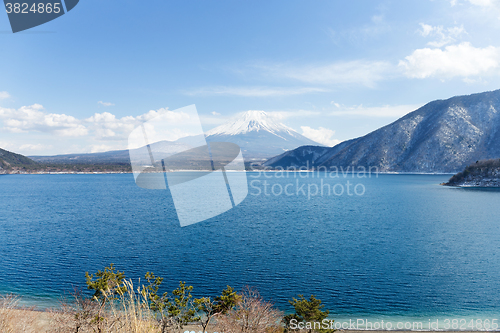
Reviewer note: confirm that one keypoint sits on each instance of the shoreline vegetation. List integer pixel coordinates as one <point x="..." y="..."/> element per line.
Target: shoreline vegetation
<point x="484" y="173"/>
<point x="71" y="169"/>
<point x="116" y="305"/>
<point x="113" y="304"/>
<point x="12" y="163"/>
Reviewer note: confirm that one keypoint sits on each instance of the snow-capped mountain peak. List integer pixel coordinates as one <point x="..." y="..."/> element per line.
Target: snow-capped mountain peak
<point x="251" y="121"/>
<point x="258" y="134"/>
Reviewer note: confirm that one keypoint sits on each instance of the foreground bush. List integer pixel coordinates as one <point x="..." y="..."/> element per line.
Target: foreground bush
<point x="250" y="315"/>
<point x="116" y="306"/>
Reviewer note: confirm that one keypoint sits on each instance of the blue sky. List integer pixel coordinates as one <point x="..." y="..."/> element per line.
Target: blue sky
<point x="333" y="70"/>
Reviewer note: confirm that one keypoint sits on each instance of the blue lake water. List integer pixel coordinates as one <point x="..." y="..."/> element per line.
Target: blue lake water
<point x="400" y="246"/>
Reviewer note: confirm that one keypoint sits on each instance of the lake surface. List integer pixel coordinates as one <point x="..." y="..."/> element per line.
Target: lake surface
<point x="400" y="246"/>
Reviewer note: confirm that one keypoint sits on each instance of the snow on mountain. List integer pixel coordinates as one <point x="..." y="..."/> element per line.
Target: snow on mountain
<point x="258" y="135"/>
<point x="251" y="121"/>
<point x="442" y="136"/>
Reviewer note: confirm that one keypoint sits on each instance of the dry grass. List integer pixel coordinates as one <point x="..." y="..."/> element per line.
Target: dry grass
<point x="14" y="319"/>
<point x="131" y="313"/>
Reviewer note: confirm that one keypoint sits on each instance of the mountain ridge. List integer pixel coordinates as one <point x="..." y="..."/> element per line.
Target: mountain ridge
<point x="8" y="158"/>
<point x="441" y="136"/>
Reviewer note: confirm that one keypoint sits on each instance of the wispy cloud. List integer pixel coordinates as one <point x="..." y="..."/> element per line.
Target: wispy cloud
<point x="443" y="35"/>
<point x="4" y="95"/>
<point x="253" y="91"/>
<point x="100" y="148"/>
<point x="282" y="115"/>
<point x="488" y="9"/>
<point x="375" y="28"/>
<point x="34" y="147"/>
<point x="356" y="72"/>
<point x="462" y="60"/>
<point x="105" y="103"/>
<point x="321" y="135"/>
<point x="390" y="111"/>
<point x="484" y="3"/>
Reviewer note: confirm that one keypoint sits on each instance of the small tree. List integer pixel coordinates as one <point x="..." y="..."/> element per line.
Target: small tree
<point x="158" y="303"/>
<point x="251" y="315"/>
<point x="180" y="309"/>
<point x="307" y="311"/>
<point x="217" y="306"/>
<point x="172" y="312"/>
<point x="107" y="285"/>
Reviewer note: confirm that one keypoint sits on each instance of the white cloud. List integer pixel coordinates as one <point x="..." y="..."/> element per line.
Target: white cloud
<point x="444" y="35"/>
<point x="392" y="111"/>
<point x="6" y="145"/>
<point x="462" y="60"/>
<point x="4" y="95"/>
<point x="101" y="126"/>
<point x="100" y="132"/>
<point x="484" y="3"/>
<point x="357" y="72"/>
<point x="216" y="113"/>
<point x="481" y="3"/>
<point x="253" y="91"/>
<point x="321" y="135"/>
<point x="282" y="115"/>
<point x="105" y="103"/>
<point x="106" y="126"/>
<point x="34" y="147"/>
<point x="100" y="148"/>
<point x="33" y="118"/>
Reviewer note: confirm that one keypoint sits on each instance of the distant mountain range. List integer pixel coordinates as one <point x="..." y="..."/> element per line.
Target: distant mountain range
<point x="442" y="136"/>
<point x="257" y="134"/>
<point x="111" y="157"/>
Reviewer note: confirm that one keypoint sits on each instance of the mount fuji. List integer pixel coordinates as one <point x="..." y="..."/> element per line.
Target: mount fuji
<point x="258" y="135"/>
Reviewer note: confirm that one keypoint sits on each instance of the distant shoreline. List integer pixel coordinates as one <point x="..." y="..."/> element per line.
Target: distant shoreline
<point x="250" y="171"/>
<point x="170" y="171"/>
